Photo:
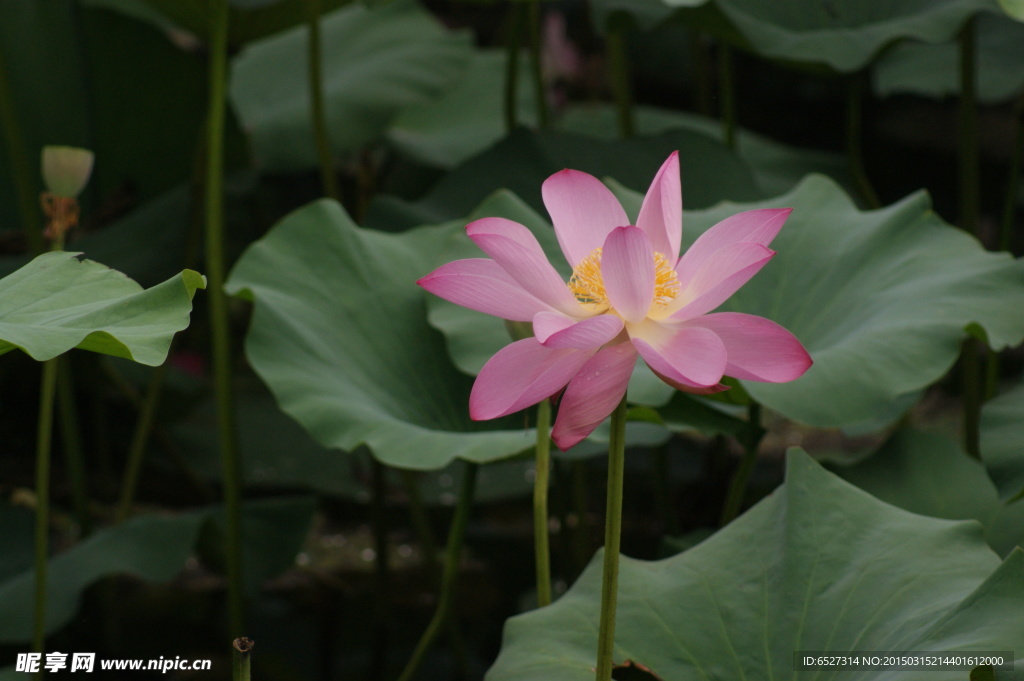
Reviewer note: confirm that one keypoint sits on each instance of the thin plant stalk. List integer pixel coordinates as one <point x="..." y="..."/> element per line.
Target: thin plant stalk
<point x="316" y="100"/>
<point x="536" y="64"/>
<point x="515" y="23"/>
<point x="663" y="492"/>
<point x="140" y="437"/>
<point x="432" y="562"/>
<point x="973" y="352"/>
<point x="854" y="153"/>
<point x="703" y="73"/>
<point x="381" y="573"/>
<point x="612" y="540"/>
<point x="129" y="392"/>
<point x="968" y="118"/>
<point x="44" y="442"/>
<point x="420" y="522"/>
<point x="580" y="504"/>
<point x="71" y="442"/>
<point x="541" y="541"/>
<point x="449" y="576"/>
<point x="221" y="353"/>
<point x="242" y="653"/>
<point x="727" y="94"/>
<point x="44" y="455"/>
<point x="741" y="478"/>
<point x="20" y="167"/>
<point x="1013" y="179"/>
<point x="619" y="66"/>
<point x="1005" y="241"/>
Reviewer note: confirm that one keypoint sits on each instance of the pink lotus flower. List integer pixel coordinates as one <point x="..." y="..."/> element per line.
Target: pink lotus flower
<point x="630" y="293"/>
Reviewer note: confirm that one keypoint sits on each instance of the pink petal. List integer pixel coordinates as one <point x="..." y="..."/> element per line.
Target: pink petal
<point x="692" y="389"/>
<point x="689" y="355"/>
<point x="517" y="250"/>
<point x="720" y="276"/>
<point x="661" y="215"/>
<point x="558" y="331"/>
<point x="627" y="267"/>
<point x="522" y="374"/>
<point x="759" y="349"/>
<point x="482" y="285"/>
<point x="593" y="394"/>
<point x="583" y="211"/>
<point x="753" y="226"/>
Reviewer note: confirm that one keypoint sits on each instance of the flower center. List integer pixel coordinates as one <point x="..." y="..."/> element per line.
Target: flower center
<point x="587" y="284"/>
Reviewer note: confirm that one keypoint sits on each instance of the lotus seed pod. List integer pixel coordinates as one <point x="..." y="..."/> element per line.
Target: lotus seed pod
<point x="66" y="170"/>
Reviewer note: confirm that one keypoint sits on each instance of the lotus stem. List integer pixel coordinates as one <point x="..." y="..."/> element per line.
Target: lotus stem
<point x="1017" y="156"/>
<point x="449" y="576"/>
<point x="973" y="354"/>
<point x="71" y="440"/>
<point x="612" y="540"/>
<point x="542" y="473"/>
<point x="969" y="199"/>
<point x="140" y="437"/>
<point x="44" y="441"/>
<point x="854" y="154"/>
<point x="44" y="454"/>
<point x="619" y="64"/>
<point x="1005" y="242"/>
<point x="581" y="548"/>
<point x="316" y="101"/>
<point x="727" y="92"/>
<point x="515" y="23"/>
<point x="243" y="659"/>
<point x="420" y="523"/>
<point x="741" y="478"/>
<point x="214" y="206"/>
<point x="536" y="64"/>
<point x="703" y="73"/>
<point x="21" y="169"/>
<point x="663" y="492"/>
<point x="379" y="527"/>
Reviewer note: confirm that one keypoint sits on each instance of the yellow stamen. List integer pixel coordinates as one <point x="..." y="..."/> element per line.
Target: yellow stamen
<point x="666" y="282"/>
<point x="587" y="283"/>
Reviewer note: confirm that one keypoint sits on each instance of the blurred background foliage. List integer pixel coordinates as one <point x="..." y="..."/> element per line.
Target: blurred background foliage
<point x="893" y="128"/>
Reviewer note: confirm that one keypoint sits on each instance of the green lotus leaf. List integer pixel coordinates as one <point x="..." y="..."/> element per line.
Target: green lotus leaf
<point x="376" y="62"/>
<point x="466" y="119"/>
<point x="928" y="473"/>
<point x="57" y="302"/>
<point x="817" y="566"/>
<point x="1013" y="8"/>
<point x="879" y="298"/>
<point x="153" y="548"/>
<point x="1002" y="442"/>
<point x="840" y="36"/>
<point x="279" y="454"/>
<point x="777" y="167"/>
<point x="16" y="528"/>
<point x="247" y="20"/>
<point x="339" y="334"/>
<point x="524" y="159"/>
<point x="934" y="70"/>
